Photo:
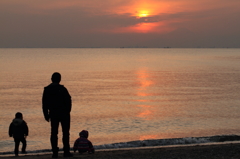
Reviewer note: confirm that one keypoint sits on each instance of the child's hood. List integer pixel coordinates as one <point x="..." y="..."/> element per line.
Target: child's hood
<point x="17" y="121"/>
<point x="84" y="133"/>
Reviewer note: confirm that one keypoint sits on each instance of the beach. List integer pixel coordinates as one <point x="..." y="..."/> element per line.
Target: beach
<point x="213" y="151"/>
<point x="125" y="98"/>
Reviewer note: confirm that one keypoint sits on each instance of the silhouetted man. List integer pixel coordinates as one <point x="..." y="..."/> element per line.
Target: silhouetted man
<point x="56" y="105"/>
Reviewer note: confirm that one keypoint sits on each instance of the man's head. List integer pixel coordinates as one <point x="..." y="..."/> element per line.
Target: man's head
<point x="56" y="77"/>
<point x="18" y="115"/>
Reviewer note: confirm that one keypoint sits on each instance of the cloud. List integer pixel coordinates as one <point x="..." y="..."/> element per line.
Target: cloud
<point x="75" y="23"/>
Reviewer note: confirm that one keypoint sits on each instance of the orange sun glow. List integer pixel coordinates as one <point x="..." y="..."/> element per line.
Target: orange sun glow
<point x="147" y="14"/>
<point x="143" y="13"/>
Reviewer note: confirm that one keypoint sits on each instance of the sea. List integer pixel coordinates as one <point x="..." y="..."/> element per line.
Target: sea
<point x="125" y="97"/>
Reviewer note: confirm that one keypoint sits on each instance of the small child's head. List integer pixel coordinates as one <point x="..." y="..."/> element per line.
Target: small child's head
<point x="18" y="115"/>
<point x="84" y="133"/>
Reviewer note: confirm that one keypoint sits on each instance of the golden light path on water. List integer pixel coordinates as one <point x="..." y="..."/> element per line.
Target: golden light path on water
<point x="144" y="82"/>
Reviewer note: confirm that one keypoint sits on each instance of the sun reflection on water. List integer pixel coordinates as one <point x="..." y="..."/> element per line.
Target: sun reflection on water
<point x="143" y="79"/>
<point x="144" y="82"/>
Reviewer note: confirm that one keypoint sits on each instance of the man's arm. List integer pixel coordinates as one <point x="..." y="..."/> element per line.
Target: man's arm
<point x="68" y="100"/>
<point x="45" y="106"/>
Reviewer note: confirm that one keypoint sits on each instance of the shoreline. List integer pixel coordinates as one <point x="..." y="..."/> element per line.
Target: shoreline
<point x="209" y="151"/>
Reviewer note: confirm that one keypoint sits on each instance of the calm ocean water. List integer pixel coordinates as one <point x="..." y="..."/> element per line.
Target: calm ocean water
<point x="122" y="95"/>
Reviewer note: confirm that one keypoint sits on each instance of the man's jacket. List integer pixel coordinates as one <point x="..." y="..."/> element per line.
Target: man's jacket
<point x="56" y="101"/>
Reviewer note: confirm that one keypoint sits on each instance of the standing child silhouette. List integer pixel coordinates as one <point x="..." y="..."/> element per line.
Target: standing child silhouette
<point x="18" y="129"/>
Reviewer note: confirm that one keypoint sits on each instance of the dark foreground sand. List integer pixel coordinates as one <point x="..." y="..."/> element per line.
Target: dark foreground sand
<point x="219" y="151"/>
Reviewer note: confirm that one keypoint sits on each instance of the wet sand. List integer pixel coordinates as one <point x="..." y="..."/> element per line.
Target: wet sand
<point x="214" y="151"/>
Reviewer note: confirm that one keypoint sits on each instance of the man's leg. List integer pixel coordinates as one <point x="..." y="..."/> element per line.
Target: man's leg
<point x="65" y="130"/>
<point x="17" y="141"/>
<point x="54" y="136"/>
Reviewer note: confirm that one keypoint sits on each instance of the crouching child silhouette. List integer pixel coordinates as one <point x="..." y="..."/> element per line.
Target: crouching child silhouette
<point x="82" y="144"/>
<point x="18" y="129"/>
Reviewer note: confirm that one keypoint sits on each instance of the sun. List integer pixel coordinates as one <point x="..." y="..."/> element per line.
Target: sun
<point x="143" y="13"/>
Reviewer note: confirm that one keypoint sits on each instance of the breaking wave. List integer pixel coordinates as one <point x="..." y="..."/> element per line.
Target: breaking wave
<point x="173" y="141"/>
<point x="154" y="142"/>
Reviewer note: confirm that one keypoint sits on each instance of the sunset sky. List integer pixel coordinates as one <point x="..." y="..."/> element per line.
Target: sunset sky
<point x="120" y="23"/>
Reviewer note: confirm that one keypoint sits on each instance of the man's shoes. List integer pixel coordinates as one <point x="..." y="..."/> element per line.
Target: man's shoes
<point x="67" y="154"/>
<point x="55" y="155"/>
<point x="55" y="152"/>
<point x="24" y="152"/>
